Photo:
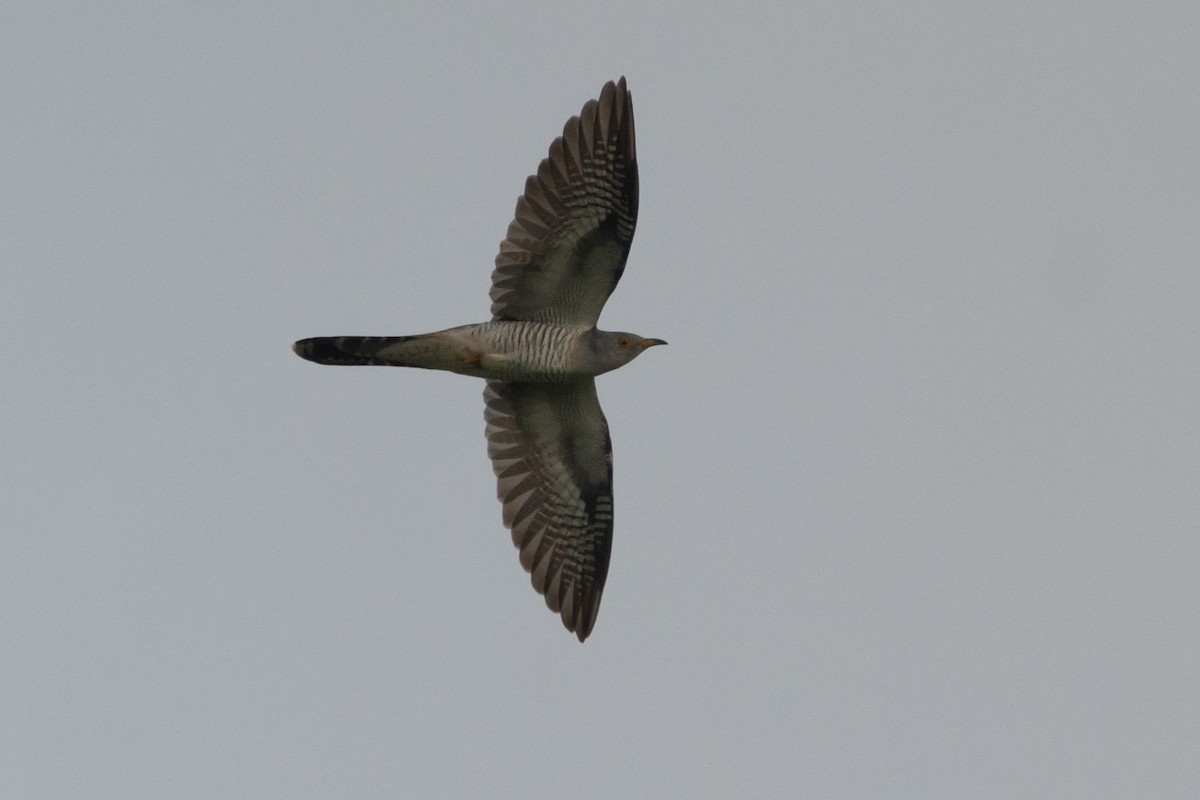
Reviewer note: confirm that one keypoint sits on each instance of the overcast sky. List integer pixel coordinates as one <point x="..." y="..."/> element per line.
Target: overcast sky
<point x="909" y="507"/>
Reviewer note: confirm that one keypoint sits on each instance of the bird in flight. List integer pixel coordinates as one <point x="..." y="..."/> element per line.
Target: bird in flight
<point x="547" y="437"/>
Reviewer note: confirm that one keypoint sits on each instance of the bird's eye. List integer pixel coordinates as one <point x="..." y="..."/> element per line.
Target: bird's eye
<point x="624" y="341"/>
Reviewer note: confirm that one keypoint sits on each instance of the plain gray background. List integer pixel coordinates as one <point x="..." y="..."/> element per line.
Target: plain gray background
<point x="908" y="508"/>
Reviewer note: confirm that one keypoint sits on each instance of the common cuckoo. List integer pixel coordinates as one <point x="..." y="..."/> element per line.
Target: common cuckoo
<point x="547" y="437"/>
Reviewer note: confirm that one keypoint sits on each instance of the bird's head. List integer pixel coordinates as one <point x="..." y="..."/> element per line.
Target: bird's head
<point x="616" y="349"/>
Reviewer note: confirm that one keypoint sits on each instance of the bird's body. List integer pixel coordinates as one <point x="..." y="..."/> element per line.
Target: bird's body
<point x="527" y="352"/>
<point x="547" y="437"/>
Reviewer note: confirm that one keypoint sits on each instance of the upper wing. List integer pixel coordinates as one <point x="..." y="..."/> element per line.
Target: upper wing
<point x="570" y="236"/>
<point x="552" y="456"/>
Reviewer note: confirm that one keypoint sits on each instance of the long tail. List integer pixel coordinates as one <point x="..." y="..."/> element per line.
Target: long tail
<point x="352" y="350"/>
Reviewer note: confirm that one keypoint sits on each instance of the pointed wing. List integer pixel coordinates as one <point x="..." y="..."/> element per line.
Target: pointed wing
<point x="552" y="456"/>
<point x="567" y="244"/>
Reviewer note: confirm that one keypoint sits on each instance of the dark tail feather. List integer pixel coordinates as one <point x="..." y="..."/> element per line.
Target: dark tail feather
<point x="347" y="350"/>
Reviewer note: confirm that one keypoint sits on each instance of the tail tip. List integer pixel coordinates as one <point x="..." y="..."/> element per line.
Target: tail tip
<point x="322" y="350"/>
